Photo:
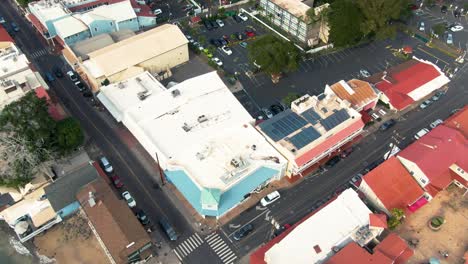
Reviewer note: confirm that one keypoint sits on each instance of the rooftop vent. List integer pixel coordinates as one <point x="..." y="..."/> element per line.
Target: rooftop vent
<point x="186" y="127"/>
<point x="175" y="93"/>
<point x="235" y="163"/>
<point x="202" y="119"/>
<point x="142" y="95"/>
<point x="121" y="85"/>
<point x="324" y="110"/>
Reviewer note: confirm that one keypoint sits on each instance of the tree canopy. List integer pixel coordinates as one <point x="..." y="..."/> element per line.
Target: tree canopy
<point x="273" y="55"/>
<point x="69" y="135"/>
<point x="345" y="21"/>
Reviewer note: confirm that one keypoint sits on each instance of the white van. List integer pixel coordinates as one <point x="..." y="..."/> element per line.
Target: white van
<point x="421" y="133"/>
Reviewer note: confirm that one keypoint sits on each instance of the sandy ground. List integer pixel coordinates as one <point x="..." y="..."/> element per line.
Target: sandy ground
<point x="71" y="242"/>
<point x="452" y="237"/>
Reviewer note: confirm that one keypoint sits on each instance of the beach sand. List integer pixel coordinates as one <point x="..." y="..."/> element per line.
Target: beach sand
<point x="71" y="242"/>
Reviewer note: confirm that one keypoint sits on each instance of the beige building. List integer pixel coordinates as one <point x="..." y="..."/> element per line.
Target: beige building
<point x="157" y="50"/>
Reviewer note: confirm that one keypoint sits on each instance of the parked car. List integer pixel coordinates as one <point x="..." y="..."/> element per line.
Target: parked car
<point x="57" y="72"/>
<point x="157" y="12"/>
<point x="117" y="182"/>
<point x="250" y="32"/>
<point x="72" y="76"/>
<point x="226" y="50"/>
<point x="87" y="93"/>
<point x="364" y="73"/>
<point x="129" y="199"/>
<point x="280" y="230"/>
<point x="217" y="61"/>
<point x="105" y="164"/>
<point x="276" y="109"/>
<point x="373" y="165"/>
<point x="168" y="229"/>
<point x="142" y="217"/>
<point x="49" y="77"/>
<point x="356" y="178"/>
<point x="437" y="96"/>
<point x="223" y="42"/>
<point x="243" y="16"/>
<point x="436" y="123"/>
<point x="214" y="24"/>
<point x="425" y="104"/>
<point x="267" y="112"/>
<point x="449" y="39"/>
<point x="187" y="7"/>
<point x="243" y="44"/>
<point x="443" y="9"/>
<point x="421" y="133"/>
<point x="332" y="162"/>
<point x="15" y="27"/>
<point x="80" y="86"/>
<point x="190" y="39"/>
<point x="220" y="22"/>
<point x="208" y="25"/>
<point x="237" y="18"/>
<point x="345" y="153"/>
<point x="216" y="43"/>
<point x="270" y="198"/>
<point x="243" y="232"/>
<point x="387" y="124"/>
<point x="2" y="20"/>
<point x="422" y="27"/>
<point x="456" y="28"/>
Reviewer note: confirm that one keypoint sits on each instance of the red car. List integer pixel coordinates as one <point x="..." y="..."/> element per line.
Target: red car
<point x="117" y="182"/>
<point x="250" y="33"/>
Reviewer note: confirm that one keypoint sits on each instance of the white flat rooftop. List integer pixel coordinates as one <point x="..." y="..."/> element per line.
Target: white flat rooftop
<point x="332" y="226"/>
<point x="69" y="26"/>
<point x="120" y="11"/>
<point x="48" y="10"/>
<point x="197" y="126"/>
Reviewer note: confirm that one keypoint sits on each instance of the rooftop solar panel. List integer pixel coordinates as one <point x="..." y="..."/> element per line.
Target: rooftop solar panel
<point x="282" y="125"/>
<point x="303" y="138"/>
<point x="311" y="116"/>
<point x="335" y="119"/>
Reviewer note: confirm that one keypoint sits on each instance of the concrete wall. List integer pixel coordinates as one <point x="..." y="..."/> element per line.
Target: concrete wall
<point x="131" y="24"/>
<point x="98" y="27"/>
<point x="146" y="21"/>
<point x="77" y="37"/>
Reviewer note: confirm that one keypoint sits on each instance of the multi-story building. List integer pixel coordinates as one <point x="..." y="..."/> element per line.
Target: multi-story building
<point x="200" y="135"/>
<point x="292" y="17"/>
<point x="16" y="76"/>
<point x="313" y="129"/>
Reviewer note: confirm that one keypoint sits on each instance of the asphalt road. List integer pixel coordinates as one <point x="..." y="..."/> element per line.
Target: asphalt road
<point x="105" y="135"/>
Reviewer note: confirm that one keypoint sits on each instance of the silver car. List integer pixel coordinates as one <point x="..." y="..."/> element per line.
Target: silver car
<point x="425" y="104"/>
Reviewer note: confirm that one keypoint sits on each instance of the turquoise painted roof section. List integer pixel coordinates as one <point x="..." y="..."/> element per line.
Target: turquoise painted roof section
<point x="210" y="196"/>
<point x="229" y="198"/>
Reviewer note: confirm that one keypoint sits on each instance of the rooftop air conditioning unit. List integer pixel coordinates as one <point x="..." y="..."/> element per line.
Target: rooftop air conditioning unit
<point x="142" y="95"/>
<point x="186" y="127"/>
<point x="175" y="93"/>
<point x="235" y="163"/>
<point x="202" y="119"/>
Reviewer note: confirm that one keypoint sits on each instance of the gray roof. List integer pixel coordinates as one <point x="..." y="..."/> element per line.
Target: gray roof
<point x="6" y="199"/>
<point x="63" y="191"/>
<point x="85" y="47"/>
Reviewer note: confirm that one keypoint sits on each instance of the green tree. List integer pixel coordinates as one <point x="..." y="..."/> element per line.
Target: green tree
<point x="345" y="19"/>
<point x="377" y="14"/>
<point x="24" y="3"/>
<point x="274" y="55"/>
<point x="69" y="135"/>
<point x="438" y="29"/>
<point x="290" y="98"/>
<point x="397" y="215"/>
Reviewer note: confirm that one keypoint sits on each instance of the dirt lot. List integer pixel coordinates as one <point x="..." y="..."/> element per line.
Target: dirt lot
<point x="71" y="242"/>
<point x="452" y="237"/>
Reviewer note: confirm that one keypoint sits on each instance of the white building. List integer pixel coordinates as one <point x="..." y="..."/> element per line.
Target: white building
<point x="201" y="135"/>
<point x="343" y="220"/>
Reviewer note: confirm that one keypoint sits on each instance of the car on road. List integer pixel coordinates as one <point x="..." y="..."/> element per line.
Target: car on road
<point x="449" y="39"/>
<point x="276" y="109"/>
<point x="157" y="12"/>
<point x="226" y="50"/>
<point x="250" y="32"/>
<point x="333" y="161"/>
<point x="57" y="72"/>
<point x="217" y="61"/>
<point x="187" y="8"/>
<point x="142" y="217"/>
<point x="443" y="9"/>
<point x="49" y="77"/>
<point x="208" y="25"/>
<point x="220" y="22"/>
<point x="356" y="178"/>
<point x="346" y="152"/>
<point x="373" y="165"/>
<point x="425" y="104"/>
<point x="456" y="28"/>
<point x="129" y="199"/>
<point x="436" y="123"/>
<point x="280" y="230"/>
<point x="270" y="198"/>
<point x="243" y="232"/>
<point x="237" y="18"/>
<point x="190" y="39"/>
<point x="243" y="44"/>
<point x="105" y="164"/>
<point x="223" y="42"/>
<point x="437" y="96"/>
<point x="387" y="124"/>
<point x="15" y="27"/>
<point x="72" y="76"/>
<point x="2" y="20"/>
<point x="364" y="73"/>
<point x="117" y="181"/>
<point x="216" y="43"/>
<point x="243" y="16"/>
<point x="267" y="112"/>
<point x="422" y="27"/>
<point x="80" y="86"/>
<point x="421" y="133"/>
<point x="168" y="229"/>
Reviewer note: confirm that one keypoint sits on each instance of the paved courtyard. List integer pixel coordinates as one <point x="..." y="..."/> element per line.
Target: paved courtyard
<point x="453" y="206"/>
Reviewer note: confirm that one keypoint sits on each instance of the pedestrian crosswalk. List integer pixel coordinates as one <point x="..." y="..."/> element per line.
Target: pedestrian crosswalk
<point x="219" y="246"/>
<point x="189" y="245"/>
<point x="38" y="53"/>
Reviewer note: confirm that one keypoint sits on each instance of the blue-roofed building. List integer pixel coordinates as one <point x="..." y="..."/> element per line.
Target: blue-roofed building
<point x="315" y="128"/>
<point x="202" y="136"/>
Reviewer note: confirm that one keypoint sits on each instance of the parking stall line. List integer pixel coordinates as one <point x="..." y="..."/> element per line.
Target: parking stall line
<point x="336" y="57"/>
<point x="325" y="57"/>
<point x="341" y="55"/>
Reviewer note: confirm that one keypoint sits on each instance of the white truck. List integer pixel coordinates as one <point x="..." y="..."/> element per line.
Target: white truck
<point x="421" y="133"/>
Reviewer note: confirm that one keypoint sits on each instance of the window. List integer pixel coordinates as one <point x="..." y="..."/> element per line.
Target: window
<point x="10" y="90"/>
<point x="111" y="23"/>
<point x="95" y="29"/>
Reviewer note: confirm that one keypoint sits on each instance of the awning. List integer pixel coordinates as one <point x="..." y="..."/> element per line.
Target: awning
<point x="418" y="204"/>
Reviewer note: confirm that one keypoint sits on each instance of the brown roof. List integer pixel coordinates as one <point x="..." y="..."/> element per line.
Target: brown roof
<point x="363" y="92"/>
<point x="113" y="221"/>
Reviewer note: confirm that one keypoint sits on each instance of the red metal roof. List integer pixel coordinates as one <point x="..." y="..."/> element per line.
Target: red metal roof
<point x="144" y="10"/>
<point x="397" y="86"/>
<point x="393" y="184"/>
<point x="459" y="121"/>
<point x="36" y="23"/>
<point x="352" y="253"/>
<point x="4" y="36"/>
<point x="329" y="143"/>
<point x="395" y="248"/>
<point x="436" y="152"/>
<point x="378" y="220"/>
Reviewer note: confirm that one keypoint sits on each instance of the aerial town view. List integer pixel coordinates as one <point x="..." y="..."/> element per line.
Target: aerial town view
<point x="234" y="131"/>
